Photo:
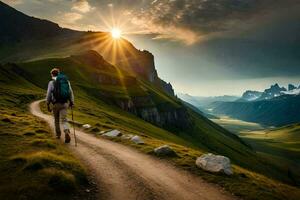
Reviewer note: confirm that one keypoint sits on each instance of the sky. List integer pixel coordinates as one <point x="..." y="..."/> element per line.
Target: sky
<point x="203" y="47"/>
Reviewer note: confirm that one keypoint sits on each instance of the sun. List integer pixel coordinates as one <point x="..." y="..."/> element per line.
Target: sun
<point x="116" y="33"/>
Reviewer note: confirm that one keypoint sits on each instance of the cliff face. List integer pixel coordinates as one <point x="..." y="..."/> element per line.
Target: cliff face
<point x="130" y="94"/>
<point x="163" y="115"/>
<point x="143" y="65"/>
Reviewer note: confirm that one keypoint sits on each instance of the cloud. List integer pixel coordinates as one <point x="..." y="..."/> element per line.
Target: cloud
<point x="82" y="6"/>
<point x="71" y="18"/>
<point x="200" y="19"/>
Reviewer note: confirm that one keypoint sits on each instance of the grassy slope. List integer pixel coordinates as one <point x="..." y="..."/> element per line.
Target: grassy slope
<point x="281" y="146"/>
<point x="244" y="183"/>
<point x="38" y="165"/>
<point x="206" y="136"/>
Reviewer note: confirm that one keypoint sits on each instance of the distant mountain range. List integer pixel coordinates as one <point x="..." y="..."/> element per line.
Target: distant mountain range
<point x="275" y="106"/>
<point x="203" y="102"/>
<point x="274" y="91"/>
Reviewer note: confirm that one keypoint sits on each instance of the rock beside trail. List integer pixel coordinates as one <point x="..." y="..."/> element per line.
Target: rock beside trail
<point x="126" y="136"/>
<point x="137" y="139"/>
<point x="164" y="150"/>
<point x="86" y="126"/>
<point x="113" y="133"/>
<point x="214" y="163"/>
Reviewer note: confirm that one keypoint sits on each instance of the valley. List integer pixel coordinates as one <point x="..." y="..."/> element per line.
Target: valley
<point x="237" y="126"/>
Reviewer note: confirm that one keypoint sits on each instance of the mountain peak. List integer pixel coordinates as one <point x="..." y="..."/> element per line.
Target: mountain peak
<point x="291" y="87"/>
<point x="250" y="95"/>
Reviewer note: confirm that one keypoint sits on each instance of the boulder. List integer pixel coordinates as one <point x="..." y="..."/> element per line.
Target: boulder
<point x="86" y="126"/>
<point x="126" y="136"/>
<point x="214" y="163"/>
<point x="164" y="150"/>
<point x="137" y="139"/>
<point x="113" y="133"/>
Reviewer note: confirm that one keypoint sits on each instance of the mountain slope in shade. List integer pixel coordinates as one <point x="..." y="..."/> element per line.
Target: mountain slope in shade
<point x="17" y="27"/>
<point x="278" y="111"/>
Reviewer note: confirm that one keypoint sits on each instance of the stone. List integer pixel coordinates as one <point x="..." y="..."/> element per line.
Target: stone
<point x="137" y="140"/>
<point x="86" y="126"/>
<point x="126" y="136"/>
<point x="214" y="163"/>
<point x="164" y="150"/>
<point x="113" y="133"/>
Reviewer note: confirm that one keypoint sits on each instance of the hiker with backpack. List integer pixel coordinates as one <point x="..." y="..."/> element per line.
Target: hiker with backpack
<point x="59" y="93"/>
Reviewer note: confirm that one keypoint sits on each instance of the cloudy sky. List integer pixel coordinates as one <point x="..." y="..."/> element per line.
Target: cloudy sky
<point x="203" y="47"/>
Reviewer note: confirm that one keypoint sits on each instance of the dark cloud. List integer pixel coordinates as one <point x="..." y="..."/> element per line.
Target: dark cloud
<point x="207" y="17"/>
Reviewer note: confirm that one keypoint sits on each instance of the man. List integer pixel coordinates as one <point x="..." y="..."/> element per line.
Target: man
<point x="59" y="93"/>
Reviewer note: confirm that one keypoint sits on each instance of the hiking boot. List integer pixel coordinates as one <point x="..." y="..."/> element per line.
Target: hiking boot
<point x="67" y="136"/>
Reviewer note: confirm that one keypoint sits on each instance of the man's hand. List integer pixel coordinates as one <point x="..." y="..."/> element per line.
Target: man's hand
<point x="71" y="105"/>
<point x="49" y="108"/>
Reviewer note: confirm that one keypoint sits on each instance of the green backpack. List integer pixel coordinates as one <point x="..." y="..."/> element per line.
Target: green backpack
<point x="61" y="91"/>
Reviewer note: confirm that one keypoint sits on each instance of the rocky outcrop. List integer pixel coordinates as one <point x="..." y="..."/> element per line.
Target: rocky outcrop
<point x="214" y="163"/>
<point x="163" y="115"/>
<point x="167" y="87"/>
<point x="173" y="118"/>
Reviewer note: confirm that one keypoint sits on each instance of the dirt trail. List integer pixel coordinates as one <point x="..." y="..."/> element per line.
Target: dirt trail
<point x="123" y="173"/>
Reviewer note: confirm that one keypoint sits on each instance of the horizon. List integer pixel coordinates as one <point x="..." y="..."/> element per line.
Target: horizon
<point x="242" y="55"/>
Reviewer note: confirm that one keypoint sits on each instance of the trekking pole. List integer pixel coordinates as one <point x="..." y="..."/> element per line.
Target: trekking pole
<point x="74" y="127"/>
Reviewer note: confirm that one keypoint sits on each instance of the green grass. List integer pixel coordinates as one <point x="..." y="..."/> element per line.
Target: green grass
<point x="244" y="183"/>
<point x="254" y="178"/>
<point x="33" y="165"/>
<point x="280" y="146"/>
<point x="237" y="126"/>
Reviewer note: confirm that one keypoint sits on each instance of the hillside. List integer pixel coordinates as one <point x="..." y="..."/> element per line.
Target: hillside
<point x="280" y="145"/>
<point x="33" y="165"/>
<point x="25" y="27"/>
<point x="102" y="102"/>
<point x="205" y="136"/>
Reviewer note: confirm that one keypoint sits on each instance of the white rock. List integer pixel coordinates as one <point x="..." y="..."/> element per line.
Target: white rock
<point x="214" y="163"/>
<point x="113" y="133"/>
<point x="136" y="139"/>
<point x="126" y="136"/>
<point x="164" y="150"/>
<point x="86" y="126"/>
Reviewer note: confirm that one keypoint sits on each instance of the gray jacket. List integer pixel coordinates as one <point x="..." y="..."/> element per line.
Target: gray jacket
<point x="50" y="98"/>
